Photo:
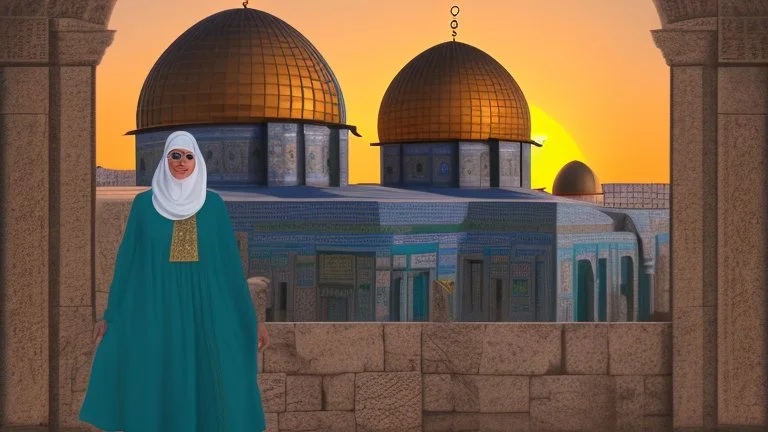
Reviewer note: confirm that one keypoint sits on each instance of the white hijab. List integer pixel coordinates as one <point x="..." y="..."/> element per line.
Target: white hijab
<point x="179" y="199"/>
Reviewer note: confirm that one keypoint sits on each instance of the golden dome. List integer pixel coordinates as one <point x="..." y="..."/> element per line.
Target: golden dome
<point x="239" y="66"/>
<point x="576" y="178"/>
<point x="453" y="91"/>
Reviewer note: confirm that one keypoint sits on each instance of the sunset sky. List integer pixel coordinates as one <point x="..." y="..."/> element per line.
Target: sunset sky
<point x="597" y="86"/>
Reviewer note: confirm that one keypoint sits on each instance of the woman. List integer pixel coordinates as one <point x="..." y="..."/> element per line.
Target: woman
<point x="179" y="345"/>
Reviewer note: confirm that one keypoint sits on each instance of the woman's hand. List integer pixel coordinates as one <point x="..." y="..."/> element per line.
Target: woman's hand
<point x="98" y="330"/>
<point x="263" y="336"/>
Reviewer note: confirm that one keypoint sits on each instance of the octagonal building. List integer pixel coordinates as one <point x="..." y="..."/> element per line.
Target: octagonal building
<point x="455" y="117"/>
<point x="262" y="102"/>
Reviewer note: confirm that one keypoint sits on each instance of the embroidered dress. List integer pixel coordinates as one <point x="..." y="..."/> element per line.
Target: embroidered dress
<point x="179" y="353"/>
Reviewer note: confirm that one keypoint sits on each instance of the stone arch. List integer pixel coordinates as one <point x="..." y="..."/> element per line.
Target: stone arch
<point x="697" y="40"/>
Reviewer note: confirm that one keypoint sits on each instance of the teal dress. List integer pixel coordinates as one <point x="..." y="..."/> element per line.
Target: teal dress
<point x="180" y="350"/>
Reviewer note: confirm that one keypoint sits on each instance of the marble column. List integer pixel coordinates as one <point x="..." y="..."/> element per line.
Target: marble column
<point x="48" y="57"/>
<point x="718" y="54"/>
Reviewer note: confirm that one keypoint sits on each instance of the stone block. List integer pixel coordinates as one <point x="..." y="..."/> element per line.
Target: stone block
<point x="742" y="90"/>
<point x="272" y="422"/>
<point x="657" y="424"/>
<point x="658" y="396"/>
<point x="586" y="349"/>
<point x="485" y="422"/>
<point x="303" y="393"/>
<point x="281" y="354"/>
<point x="452" y="348"/>
<point x="388" y="401"/>
<point x="573" y="403"/>
<point x="272" y="386"/>
<point x="640" y="349"/>
<point x="437" y="392"/>
<point x="340" y="348"/>
<point x="630" y="399"/>
<point x="339" y="392"/>
<point x="402" y="347"/>
<point x="317" y="421"/>
<point x="523" y="349"/>
<point x="24" y="90"/>
<point x="490" y="394"/>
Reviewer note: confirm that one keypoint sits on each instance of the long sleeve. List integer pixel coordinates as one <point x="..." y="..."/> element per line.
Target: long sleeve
<point x="124" y="264"/>
<point x="232" y="261"/>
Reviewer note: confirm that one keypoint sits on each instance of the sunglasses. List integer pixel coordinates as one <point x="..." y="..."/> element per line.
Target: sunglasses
<point x="177" y="156"/>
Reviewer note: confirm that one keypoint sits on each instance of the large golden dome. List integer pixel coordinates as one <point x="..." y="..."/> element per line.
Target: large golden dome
<point x="453" y="91"/>
<point x="239" y="66"/>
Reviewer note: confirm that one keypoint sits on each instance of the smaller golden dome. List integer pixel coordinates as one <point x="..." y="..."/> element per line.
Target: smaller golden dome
<point x="453" y="91"/>
<point x="576" y="178"/>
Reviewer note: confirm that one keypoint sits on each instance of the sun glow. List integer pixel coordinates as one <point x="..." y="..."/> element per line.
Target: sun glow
<point x="558" y="148"/>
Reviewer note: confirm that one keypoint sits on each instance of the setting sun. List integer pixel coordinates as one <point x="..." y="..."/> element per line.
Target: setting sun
<point x="558" y="148"/>
<point x="574" y="80"/>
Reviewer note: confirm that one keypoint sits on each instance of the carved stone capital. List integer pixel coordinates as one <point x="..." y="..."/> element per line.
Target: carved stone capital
<point x="78" y="43"/>
<point x="687" y="48"/>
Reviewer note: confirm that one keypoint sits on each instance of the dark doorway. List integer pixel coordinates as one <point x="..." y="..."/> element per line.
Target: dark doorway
<point x="394" y="299"/>
<point x="602" y="290"/>
<point x="421" y="296"/>
<point x="585" y="292"/>
<point x="644" y="297"/>
<point x="334" y="158"/>
<point x="493" y="147"/>
<point x="627" y="288"/>
<point x="473" y="290"/>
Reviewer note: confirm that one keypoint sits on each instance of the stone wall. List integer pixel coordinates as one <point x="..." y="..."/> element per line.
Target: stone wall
<point x="636" y="195"/>
<point x="467" y="376"/>
<point x="112" y="177"/>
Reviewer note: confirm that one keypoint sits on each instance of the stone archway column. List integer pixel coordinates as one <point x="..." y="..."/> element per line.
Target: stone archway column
<point x="47" y="155"/>
<point x="718" y="55"/>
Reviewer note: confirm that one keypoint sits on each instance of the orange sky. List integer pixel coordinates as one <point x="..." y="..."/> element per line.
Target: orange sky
<point x="590" y="65"/>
